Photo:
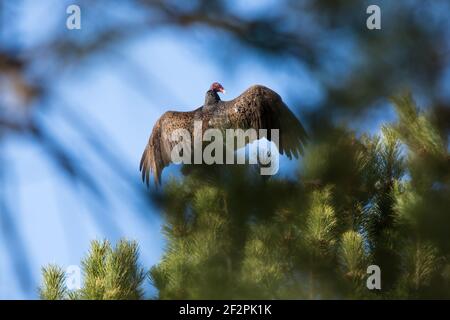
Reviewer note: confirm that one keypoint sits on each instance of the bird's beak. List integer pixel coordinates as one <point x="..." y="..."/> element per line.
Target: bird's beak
<point x="223" y="91"/>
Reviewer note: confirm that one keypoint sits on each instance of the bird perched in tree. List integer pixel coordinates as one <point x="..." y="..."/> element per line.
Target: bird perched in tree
<point x="258" y="107"/>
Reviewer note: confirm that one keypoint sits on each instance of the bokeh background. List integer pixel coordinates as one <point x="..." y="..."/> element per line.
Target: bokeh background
<point x="77" y="106"/>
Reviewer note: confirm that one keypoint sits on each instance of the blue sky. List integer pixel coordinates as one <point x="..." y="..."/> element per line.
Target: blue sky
<point x="54" y="217"/>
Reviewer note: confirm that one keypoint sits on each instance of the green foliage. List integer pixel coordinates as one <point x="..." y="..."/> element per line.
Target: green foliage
<point x="420" y="262"/>
<point x="352" y="255"/>
<point x="355" y="201"/>
<point x="54" y="287"/>
<point x="415" y="129"/>
<point x="109" y="274"/>
<point x="320" y="223"/>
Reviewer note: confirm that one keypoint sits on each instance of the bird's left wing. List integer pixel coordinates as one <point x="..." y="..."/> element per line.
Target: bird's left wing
<point x="157" y="153"/>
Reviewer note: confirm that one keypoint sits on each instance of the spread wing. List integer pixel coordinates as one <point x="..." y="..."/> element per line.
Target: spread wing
<point x="157" y="153"/>
<point x="258" y="108"/>
<point x="262" y="108"/>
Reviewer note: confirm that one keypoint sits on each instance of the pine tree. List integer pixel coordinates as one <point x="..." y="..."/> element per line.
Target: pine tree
<point x="109" y="273"/>
<point x="355" y="201"/>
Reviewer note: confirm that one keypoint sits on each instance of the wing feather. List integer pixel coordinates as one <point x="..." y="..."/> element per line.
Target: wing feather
<point x="262" y="108"/>
<point x="157" y="153"/>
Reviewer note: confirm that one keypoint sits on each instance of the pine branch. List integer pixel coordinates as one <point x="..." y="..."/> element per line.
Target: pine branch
<point x="53" y="287"/>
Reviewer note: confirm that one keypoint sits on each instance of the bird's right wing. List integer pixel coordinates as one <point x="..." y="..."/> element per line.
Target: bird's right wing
<point x="262" y="108"/>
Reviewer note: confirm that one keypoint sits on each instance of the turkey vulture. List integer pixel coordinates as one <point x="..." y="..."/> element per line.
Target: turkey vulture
<point x="257" y="107"/>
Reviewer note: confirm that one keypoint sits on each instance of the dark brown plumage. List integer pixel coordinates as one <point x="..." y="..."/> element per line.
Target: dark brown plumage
<point x="258" y="107"/>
